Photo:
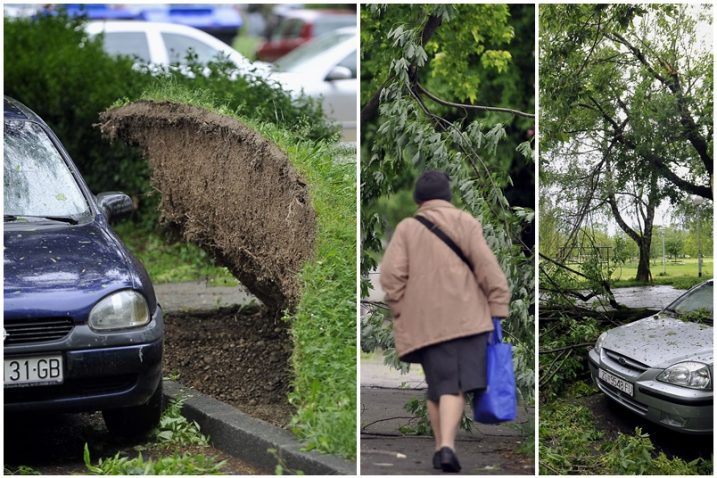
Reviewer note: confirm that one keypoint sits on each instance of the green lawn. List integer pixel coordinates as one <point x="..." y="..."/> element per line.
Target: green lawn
<point x="247" y="45"/>
<point x="167" y="261"/>
<point x="681" y="274"/>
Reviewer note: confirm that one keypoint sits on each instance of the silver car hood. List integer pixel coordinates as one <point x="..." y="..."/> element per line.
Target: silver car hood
<point x="660" y="340"/>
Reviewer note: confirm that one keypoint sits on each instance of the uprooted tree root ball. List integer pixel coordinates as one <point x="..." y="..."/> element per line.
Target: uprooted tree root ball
<point x="228" y="190"/>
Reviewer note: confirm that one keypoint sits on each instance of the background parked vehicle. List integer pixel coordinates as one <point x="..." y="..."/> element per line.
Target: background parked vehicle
<point x="162" y="44"/>
<point x="661" y="367"/>
<point x="326" y="68"/>
<point x="298" y="26"/>
<point x="82" y="327"/>
<point x="220" y="21"/>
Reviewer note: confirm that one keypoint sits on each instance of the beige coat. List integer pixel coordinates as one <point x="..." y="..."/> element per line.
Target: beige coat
<point x="430" y="290"/>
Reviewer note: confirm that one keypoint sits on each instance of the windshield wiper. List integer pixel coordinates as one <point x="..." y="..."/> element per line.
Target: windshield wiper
<point x="15" y="218"/>
<point x="67" y="219"/>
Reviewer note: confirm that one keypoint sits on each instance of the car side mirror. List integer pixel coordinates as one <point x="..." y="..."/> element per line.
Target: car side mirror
<point x="339" y="72"/>
<point x="115" y="204"/>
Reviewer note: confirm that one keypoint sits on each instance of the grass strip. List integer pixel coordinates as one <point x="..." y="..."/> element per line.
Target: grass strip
<point x="323" y="325"/>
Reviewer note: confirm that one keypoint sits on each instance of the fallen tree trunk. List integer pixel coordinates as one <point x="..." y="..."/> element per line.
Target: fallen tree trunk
<point x="228" y="190"/>
<point x="553" y="312"/>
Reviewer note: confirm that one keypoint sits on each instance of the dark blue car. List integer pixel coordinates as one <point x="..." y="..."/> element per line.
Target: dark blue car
<point x="82" y="327"/>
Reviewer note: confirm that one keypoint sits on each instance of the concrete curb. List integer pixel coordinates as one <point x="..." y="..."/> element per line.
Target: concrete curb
<point x="248" y="438"/>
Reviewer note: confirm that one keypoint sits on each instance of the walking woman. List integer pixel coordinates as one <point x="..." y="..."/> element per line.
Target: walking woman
<point x="442" y="309"/>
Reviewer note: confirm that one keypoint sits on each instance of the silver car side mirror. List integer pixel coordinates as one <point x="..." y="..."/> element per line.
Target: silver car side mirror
<point x="339" y="72"/>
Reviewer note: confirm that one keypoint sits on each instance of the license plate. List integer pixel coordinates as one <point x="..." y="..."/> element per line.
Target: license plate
<point x="616" y="382"/>
<point x="38" y="370"/>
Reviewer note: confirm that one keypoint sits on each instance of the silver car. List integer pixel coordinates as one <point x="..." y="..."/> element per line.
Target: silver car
<point x="661" y="367"/>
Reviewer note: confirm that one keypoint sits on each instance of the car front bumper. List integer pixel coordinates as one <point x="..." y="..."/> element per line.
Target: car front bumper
<point x="677" y="408"/>
<point x="101" y="371"/>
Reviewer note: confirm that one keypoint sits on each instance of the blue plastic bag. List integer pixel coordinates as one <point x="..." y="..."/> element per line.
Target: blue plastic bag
<point x="498" y="402"/>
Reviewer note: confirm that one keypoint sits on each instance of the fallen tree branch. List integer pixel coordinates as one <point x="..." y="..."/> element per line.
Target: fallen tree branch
<point x="551" y="372"/>
<point x="567" y="347"/>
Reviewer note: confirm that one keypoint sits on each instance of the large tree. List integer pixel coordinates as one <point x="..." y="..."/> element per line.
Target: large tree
<point x="629" y="87"/>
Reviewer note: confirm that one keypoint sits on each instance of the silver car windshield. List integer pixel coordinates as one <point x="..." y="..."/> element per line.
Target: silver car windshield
<point x="37" y="182"/>
<point x="698" y="299"/>
<point x="293" y="61"/>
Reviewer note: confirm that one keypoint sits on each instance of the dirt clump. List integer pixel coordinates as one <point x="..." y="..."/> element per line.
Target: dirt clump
<point x="238" y="356"/>
<point x="227" y="189"/>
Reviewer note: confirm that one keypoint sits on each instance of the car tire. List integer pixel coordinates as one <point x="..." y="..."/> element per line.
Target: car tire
<point x="137" y="421"/>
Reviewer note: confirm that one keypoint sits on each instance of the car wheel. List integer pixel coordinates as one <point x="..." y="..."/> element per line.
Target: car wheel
<point x="135" y="421"/>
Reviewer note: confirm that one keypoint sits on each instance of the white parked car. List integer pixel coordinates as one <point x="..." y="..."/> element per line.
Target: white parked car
<point x="323" y="68"/>
<point x="163" y="44"/>
<point x="326" y="67"/>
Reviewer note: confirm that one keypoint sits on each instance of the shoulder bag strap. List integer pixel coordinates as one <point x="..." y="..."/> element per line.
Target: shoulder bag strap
<point x="444" y="237"/>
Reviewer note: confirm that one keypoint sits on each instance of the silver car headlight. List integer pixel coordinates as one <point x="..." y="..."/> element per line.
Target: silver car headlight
<point x="687" y="374"/>
<point x="598" y="343"/>
<point x="120" y="310"/>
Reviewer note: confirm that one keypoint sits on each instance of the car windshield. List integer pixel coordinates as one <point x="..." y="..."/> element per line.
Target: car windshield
<point x="37" y="181"/>
<point x="179" y="46"/>
<point x="697" y="299"/>
<point x="329" y="23"/>
<point x="294" y="60"/>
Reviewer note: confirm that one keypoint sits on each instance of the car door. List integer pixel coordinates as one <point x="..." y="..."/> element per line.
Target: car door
<point x="129" y="43"/>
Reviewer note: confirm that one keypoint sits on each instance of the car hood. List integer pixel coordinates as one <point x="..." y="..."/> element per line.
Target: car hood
<point x="51" y="270"/>
<point x="661" y="340"/>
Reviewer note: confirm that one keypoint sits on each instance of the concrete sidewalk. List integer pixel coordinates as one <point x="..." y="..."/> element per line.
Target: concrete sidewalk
<point x="198" y="295"/>
<point x="486" y="450"/>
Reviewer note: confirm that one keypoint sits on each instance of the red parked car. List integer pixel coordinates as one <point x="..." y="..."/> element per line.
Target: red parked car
<point x="299" y="26"/>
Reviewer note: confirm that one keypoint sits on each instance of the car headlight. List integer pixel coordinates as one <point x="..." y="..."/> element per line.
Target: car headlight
<point x="598" y="344"/>
<point x="687" y="374"/>
<point x="120" y="310"/>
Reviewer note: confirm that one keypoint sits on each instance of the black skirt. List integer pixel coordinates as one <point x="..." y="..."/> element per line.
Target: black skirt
<point x="455" y="366"/>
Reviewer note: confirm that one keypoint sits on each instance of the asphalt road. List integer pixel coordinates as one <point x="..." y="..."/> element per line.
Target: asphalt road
<point x="53" y="444"/>
<point x="486" y="450"/>
<point x="611" y="418"/>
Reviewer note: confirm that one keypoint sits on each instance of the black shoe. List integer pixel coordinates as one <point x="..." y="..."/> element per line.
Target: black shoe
<point x="437" y="460"/>
<point x="449" y="460"/>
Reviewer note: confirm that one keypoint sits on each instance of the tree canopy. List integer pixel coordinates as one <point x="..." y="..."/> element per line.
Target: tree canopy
<point x="626" y="111"/>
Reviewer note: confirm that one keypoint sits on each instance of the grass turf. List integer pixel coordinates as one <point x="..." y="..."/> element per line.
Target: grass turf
<point x="323" y="325"/>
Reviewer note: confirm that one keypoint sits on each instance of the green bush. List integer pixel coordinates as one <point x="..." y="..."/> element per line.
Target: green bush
<point x="55" y="69"/>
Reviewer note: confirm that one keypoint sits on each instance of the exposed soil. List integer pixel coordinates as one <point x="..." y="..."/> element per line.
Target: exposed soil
<point x="227" y="189"/>
<point x="239" y="356"/>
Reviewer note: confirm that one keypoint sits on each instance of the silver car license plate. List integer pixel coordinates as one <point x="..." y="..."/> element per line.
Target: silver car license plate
<point x="616" y="382"/>
<point x="37" y="370"/>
